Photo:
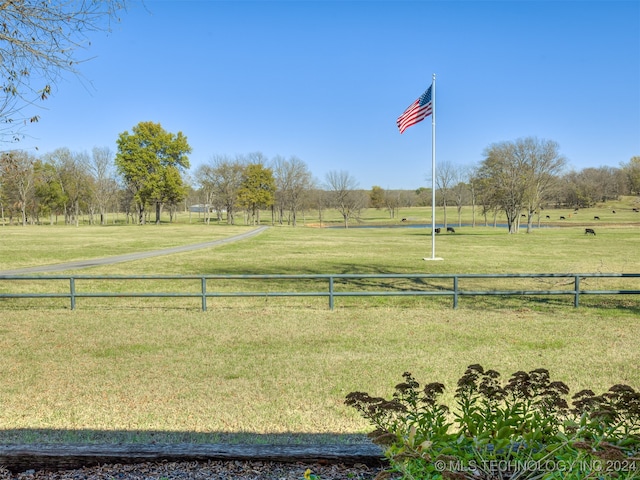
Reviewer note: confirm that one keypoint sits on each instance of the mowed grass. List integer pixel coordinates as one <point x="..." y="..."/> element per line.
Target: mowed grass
<point x="22" y="247"/>
<point x="279" y="368"/>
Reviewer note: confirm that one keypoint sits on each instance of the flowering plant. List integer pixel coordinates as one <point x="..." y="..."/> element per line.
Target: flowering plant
<point x="524" y="428"/>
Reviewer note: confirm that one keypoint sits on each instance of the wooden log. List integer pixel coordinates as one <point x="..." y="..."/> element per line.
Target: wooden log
<point x="20" y="458"/>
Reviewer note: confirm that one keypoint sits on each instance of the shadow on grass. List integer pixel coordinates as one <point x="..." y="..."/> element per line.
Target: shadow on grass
<point x="47" y="436"/>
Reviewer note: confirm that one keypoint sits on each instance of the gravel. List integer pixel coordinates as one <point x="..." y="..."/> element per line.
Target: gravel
<point x="211" y="470"/>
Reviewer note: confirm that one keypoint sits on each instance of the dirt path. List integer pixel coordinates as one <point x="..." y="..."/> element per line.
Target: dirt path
<point x="93" y="262"/>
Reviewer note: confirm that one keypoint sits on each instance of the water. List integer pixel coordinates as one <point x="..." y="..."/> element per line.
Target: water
<point x="438" y="225"/>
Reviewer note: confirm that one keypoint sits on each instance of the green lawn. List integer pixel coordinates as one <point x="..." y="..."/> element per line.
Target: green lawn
<point x="148" y="370"/>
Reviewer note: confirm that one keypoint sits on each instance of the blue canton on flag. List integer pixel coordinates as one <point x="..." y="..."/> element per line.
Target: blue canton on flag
<point x="416" y="112"/>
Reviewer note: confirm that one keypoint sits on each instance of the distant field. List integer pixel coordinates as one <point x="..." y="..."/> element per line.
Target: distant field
<point x="148" y="370"/>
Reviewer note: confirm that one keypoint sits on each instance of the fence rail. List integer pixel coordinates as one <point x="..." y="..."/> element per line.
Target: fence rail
<point x="206" y="286"/>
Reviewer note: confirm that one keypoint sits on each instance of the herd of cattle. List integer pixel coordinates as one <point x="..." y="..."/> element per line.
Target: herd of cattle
<point x="587" y="231"/>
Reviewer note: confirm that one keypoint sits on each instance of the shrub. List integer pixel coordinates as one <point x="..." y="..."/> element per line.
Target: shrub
<point x="521" y="429"/>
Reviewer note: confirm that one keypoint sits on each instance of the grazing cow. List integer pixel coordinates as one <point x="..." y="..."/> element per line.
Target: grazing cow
<point x="613" y="211"/>
<point x="404" y="220"/>
<point x="589" y="231"/>
<point x="548" y="217"/>
<point x="562" y="218"/>
<point x="636" y="210"/>
<point x="523" y="216"/>
<point x="437" y="230"/>
<point x="596" y="218"/>
<point x="450" y="230"/>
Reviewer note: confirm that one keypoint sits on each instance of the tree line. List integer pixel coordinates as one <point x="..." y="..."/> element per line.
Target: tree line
<point x="523" y="177"/>
<point x="150" y="171"/>
<point x="149" y="174"/>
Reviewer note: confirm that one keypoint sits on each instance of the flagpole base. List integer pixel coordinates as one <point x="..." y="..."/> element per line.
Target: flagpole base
<point x="433" y="258"/>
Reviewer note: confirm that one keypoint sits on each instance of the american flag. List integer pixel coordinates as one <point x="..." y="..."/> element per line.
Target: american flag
<point x="417" y="111"/>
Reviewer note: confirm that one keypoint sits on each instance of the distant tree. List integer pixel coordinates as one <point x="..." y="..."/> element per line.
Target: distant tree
<point x="205" y="180"/>
<point x="632" y="173"/>
<point x="151" y="161"/>
<point x="518" y="174"/>
<point x="543" y="166"/>
<point x="221" y="178"/>
<point x="48" y="190"/>
<point x="424" y="196"/>
<point x="344" y="197"/>
<point x="257" y="190"/>
<point x="105" y="185"/>
<point x="39" y="41"/>
<point x="446" y="177"/>
<point x="72" y="170"/>
<point x="473" y="184"/>
<point x="376" y="197"/>
<point x="174" y="191"/>
<point x="293" y="182"/>
<point x="392" y="202"/>
<point x="318" y="200"/>
<point x="17" y="172"/>
<point x="460" y="194"/>
<point x="486" y="197"/>
<point x="589" y="186"/>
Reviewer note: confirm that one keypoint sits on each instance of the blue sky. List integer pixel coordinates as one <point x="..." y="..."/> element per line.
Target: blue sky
<point x="325" y="81"/>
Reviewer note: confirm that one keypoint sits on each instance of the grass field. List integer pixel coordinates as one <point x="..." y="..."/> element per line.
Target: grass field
<point x="279" y="369"/>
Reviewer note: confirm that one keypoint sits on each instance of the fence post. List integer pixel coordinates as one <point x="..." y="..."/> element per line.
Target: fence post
<point x="455" y="291"/>
<point x="72" y="292"/>
<point x="204" y="293"/>
<point x="331" y="292"/>
<point x="576" y="287"/>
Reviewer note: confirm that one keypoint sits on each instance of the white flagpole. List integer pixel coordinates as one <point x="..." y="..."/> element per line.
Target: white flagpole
<point x="433" y="170"/>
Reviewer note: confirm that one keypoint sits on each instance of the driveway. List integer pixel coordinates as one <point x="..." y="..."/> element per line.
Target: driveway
<point x="94" y="262"/>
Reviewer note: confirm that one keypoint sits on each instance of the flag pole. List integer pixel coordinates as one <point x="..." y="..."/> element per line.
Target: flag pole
<point x="433" y="170"/>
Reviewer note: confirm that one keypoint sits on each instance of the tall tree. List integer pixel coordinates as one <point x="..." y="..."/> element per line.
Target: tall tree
<point x="344" y="198"/>
<point x="17" y="172"/>
<point x="257" y="190"/>
<point x="632" y="172"/>
<point x="293" y="181"/>
<point x="39" y="41"/>
<point x="73" y="177"/>
<point x="519" y="174"/>
<point x="376" y="197"/>
<point x="151" y="161"/>
<point x="544" y="165"/>
<point x="473" y="184"/>
<point x="446" y="176"/>
<point x="48" y="190"/>
<point x="205" y="178"/>
<point x="460" y="194"/>
<point x="222" y="178"/>
<point x="105" y="185"/>
<point x="392" y="202"/>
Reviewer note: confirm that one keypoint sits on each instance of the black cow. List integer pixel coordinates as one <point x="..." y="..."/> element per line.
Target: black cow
<point x="636" y="210"/>
<point x="450" y="230"/>
<point x="562" y="218"/>
<point x="589" y="231"/>
<point x="548" y="217"/>
<point x="404" y="220"/>
<point x="596" y="218"/>
<point x="437" y="230"/>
